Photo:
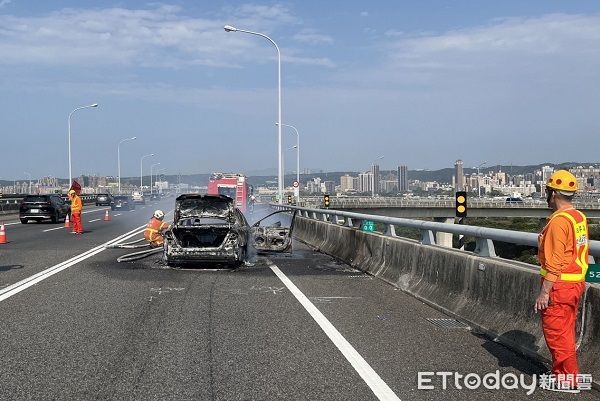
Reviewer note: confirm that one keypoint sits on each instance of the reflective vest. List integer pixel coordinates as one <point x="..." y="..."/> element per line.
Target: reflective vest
<point x="76" y="204"/>
<point x="153" y="229"/>
<point x="576" y="270"/>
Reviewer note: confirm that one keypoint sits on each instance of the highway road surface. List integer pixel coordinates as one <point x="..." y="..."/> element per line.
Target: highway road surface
<point x="77" y="325"/>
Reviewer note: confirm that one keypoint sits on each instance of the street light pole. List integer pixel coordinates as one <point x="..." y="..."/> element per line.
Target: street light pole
<point x="478" y="183"/>
<point x="151" y="168"/>
<point x="78" y="108"/>
<point x="374" y="161"/>
<point x="159" y="172"/>
<point x="119" y="158"/>
<point x="29" y="182"/>
<point x="142" y="170"/>
<point x="229" y="28"/>
<point x="297" y="150"/>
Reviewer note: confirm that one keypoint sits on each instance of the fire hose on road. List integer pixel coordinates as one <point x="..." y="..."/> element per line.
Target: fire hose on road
<point x="135" y="255"/>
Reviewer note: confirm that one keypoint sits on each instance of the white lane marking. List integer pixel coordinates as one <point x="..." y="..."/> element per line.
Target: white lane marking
<point x="118" y="214"/>
<point x="52" y="229"/>
<point x="9" y="291"/>
<point x="381" y="390"/>
<point x="11" y="224"/>
<point x="93" y="210"/>
<point x="91" y="221"/>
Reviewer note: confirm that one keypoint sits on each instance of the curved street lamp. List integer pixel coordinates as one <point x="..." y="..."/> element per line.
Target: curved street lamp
<point x="119" y="157"/>
<point x="152" y="168"/>
<point x="29" y="181"/>
<point x="229" y="28"/>
<point x="78" y="108"/>
<point x="142" y="170"/>
<point x="478" y="183"/>
<point x="297" y="146"/>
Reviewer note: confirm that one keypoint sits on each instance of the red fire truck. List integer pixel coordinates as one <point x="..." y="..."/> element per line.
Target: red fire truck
<point x="233" y="185"/>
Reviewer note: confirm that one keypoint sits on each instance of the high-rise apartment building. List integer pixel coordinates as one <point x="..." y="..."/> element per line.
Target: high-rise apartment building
<point x="402" y="178"/>
<point x="346" y="183"/>
<point x="376" y="179"/>
<point x="328" y="187"/>
<point x="365" y="182"/>
<point x="546" y="173"/>
<point x="459" y="175"/>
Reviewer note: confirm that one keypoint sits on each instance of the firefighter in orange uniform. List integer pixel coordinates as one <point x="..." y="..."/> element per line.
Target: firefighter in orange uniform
<point x="154" y="229"/>
<point x="563" y="256"/>
<point x="76" y="208"/>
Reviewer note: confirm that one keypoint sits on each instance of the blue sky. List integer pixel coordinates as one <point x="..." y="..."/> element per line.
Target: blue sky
<point x="421" y="82"/>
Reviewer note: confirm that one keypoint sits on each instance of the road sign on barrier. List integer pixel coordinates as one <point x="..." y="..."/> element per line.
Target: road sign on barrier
<point x="593" y="274"/>
<point x="368" y="225"/>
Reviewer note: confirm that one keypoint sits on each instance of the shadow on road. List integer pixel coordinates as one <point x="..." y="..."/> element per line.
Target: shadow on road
<point x="508" y="358"/>
<point x="10" y="267"/>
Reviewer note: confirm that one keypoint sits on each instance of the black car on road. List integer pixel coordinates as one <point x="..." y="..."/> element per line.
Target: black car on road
<point x="122" y="202"/>
<point x="43" y="207"/>
<point x="103" y="199"/>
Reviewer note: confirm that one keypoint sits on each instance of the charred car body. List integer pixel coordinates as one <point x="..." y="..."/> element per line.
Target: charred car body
<point x="269" y="236"/>
<point x="206" y="228"/>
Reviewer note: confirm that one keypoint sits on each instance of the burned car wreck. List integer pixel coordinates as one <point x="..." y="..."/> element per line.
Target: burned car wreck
<point x="269" y="236"/>
<point x="206" y="228"/>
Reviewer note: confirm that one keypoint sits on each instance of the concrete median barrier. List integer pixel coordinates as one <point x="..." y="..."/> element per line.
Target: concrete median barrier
<point x="495" y="296"/>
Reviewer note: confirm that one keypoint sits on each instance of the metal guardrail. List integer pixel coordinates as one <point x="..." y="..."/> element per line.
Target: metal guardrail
<point x="484" y="236"/>
<point x="11" y="204"/>
<point x="349" y="202"/>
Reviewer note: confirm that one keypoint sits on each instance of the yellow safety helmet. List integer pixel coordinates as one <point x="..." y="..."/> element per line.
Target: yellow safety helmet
<point x="562" y="180"/>
<point x="71" y="192"/>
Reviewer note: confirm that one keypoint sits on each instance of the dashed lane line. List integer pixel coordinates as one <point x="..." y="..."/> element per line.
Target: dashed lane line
<point x="91" y="221"/>
<point x="22" y="285"/>
<point x="381" y="390"/>
<point x="52" y="229"/>
<point x="84" y="212"/>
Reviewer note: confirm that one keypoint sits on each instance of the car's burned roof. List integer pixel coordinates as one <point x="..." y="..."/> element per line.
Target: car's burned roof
<point x="195" y="205"/>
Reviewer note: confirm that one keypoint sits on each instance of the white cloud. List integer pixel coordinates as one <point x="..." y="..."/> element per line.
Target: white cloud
<point x="5" y="3"/>
<point x="364" y="13"/>
<point x="394" y="33"/>
<point x="505" y="87"/>
<point x="510" y="51"/>
<point x="320" y="61"/>
<point x="312" y="36"/>
<point x="162" y="36"/>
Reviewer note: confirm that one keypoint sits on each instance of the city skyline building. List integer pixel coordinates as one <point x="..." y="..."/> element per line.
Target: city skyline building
<point x="365" y="182"/>
<point x="376" y="179"/>
<point x="403" y="178"/>
<point x="346" y="183"/>
<point x="459" y="175"/>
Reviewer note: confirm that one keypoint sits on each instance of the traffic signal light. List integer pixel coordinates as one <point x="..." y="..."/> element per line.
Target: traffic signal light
<point x="326" y="201"/>
<point x="461" y="204"/>
<point x="289" y="199"/>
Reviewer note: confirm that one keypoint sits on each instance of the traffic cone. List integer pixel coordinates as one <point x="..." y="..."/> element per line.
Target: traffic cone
<point x="106" y="216"/>
<point x="2" y="235"/>
<point x="67" y="222"/>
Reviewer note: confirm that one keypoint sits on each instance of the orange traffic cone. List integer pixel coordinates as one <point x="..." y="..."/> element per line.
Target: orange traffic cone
<point x="67" y="222"/>
<point x="2" y="235"/>
<point x="106" y="216"/>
